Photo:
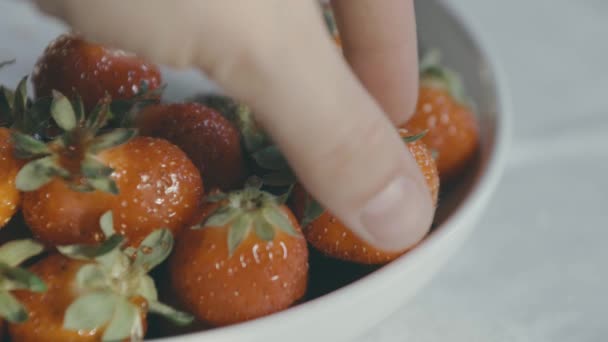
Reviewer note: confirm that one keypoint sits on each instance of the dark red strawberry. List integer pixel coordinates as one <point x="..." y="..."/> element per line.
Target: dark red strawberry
<point x="210" y="140"/>
<point x="74" y="66"/>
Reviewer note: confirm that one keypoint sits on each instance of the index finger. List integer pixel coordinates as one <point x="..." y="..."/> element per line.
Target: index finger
<point x="379" y="42"/>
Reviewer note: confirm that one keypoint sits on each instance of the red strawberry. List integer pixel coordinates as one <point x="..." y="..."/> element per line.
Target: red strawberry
<point x="210" y="140"/>
<point x="248" y="260"/>
<point x="326" y="233"/>
<point x="96" y="293"/>
<point x="74" y="66"/>
<point x="442" y="111"/>
<point x="146" y="182"/>
<point x="17" y="113"/>
<point x="9" y="166"/>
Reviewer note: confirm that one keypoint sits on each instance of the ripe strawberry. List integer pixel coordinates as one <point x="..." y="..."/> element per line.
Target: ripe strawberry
<point x="326" y="233"/>
<point x="442" y="111"/>
<point x="9" y="166"/>
<point x="101" y="293"/>
<point x="253" y="136"/>
<point x="210" y="140"/>
<point x="146" y="182"/>
<point x="17" y="113"/>
<point x="72" y="65"/>
<point x="248" y="260"/>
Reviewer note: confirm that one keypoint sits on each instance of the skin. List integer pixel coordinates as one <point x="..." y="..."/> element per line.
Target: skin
<point x="354" y="162"/>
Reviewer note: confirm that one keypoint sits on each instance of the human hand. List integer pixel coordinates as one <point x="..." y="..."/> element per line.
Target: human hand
<point x="275" y="56"/>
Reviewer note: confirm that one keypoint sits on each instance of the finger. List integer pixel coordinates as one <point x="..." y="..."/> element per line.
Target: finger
<point x="174" y="33"/>
<point x="379" y="42"/>
<point x="341" y="145"/>
<point x="275" y="56"/>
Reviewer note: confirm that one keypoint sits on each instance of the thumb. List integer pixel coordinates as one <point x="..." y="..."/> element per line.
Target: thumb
<point x="340" y="144"/>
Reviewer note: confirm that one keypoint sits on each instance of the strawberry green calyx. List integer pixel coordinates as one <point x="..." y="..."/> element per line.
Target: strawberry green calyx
<point x="15" y="278"/>
<point x="113" y="279"/>
<point x="436" y="75"/>
<point x="124" y="110"/>
<point x="330" y="19"/>
<point x="20" y="113"/>
<point x="408" y="139"/>
<point x="72" y="156"/>
<point x="312" y="211"/>
<point x="277" y="171"/>
<point x="247" y="211"/>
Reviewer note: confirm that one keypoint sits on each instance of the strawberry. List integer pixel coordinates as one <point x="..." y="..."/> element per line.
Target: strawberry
<point x="210" y="140"/>
<point x="326" y="233"/>
<point x="81" y="174"/>
<point x="9" y="166"/>
<point x="247" y="259"/>
<point x="253" y="136"/>
<point x="17" y="113"/>
<point x="72" y="65"/>
<point x="442" y="111"/>
<point x="97" y="293"/>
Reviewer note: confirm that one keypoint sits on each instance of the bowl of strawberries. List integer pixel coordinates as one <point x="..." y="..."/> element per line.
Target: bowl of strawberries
<point x="138" y="203"/>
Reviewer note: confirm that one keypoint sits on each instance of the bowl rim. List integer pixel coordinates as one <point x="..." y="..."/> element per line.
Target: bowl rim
<point x="477" y="199"/>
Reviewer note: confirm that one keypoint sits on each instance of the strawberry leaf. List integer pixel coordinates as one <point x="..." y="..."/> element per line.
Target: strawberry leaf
<point x="285" y="196"/>
<point x="270" y="158"/>
<point x="281" y="178"/>
<point x="90" y="252"/>
<point x="20" y="99"/>
<point x="91" y="167"/>
<point x="115" y="138"/>
<point x="91" y="277"/>
<point x="15" y="252"/>
<point x="177" y="317"/>
<point x="11" y="309"/>
<point x="125" y="323"/>
<point x="6" y="107"/>
<point x="312" y="211"/>
<point x="214" y="198"/>
<point x="63" y="112"/>
<point x="263" y="229"/>
<point x="104" y="184"/>
<point x="78" y="106"/>
<point x="91" y="311"/>
<point x="20" y="279"/>
<point x="38" y="173"/>
<point x="414" y="138"/>
<point x="276" y="217"/>
<point x="154" y="249"/>
<point x="221" y="217"/>
<point x="237" y="232"/>
<point x="147" y="289"/>
<point x="106" y="222"/>
<point x="27" y="147"/>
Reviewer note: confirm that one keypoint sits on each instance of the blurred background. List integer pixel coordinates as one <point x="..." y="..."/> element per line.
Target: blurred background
<point x="535" y="268"/>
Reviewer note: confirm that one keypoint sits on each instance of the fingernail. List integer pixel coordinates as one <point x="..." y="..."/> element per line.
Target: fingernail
<point x="397" y="217"/>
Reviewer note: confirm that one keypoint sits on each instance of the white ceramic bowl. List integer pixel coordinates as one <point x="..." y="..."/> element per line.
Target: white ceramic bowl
<point x="358" y="306"/>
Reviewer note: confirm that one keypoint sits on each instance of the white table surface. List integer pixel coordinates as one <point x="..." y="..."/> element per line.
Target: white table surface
<point x="536" y="268"/>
